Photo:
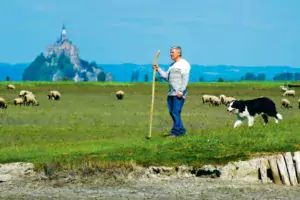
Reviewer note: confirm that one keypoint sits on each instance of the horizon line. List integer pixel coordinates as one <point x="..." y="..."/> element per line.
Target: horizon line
<point x="205" y="65"/>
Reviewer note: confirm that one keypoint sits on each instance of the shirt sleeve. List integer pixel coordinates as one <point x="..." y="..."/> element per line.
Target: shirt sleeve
<point x="185" y="73"/>
<point x="162" y="73"/>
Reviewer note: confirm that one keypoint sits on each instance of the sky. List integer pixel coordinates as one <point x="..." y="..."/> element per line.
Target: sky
<point x="210" y="32"/>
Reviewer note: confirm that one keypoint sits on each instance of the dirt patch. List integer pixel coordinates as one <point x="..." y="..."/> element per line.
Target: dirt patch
<point x="237" y="180"/>
<point x="167" y="188"/>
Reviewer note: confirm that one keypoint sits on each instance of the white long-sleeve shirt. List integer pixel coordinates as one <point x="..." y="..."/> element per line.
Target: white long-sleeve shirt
<point x="178" y="76"/>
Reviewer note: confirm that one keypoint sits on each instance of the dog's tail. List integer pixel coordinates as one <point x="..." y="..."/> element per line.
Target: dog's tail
<point x="279" y="116"/>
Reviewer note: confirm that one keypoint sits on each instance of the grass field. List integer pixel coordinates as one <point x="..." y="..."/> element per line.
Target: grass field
<point x="89" y="123"/>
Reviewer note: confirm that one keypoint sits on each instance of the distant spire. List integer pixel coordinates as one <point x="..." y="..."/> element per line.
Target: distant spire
<point x="63" y="32"/>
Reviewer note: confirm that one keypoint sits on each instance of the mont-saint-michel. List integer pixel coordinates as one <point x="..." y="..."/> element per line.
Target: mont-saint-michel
<point x="61" y="61"/>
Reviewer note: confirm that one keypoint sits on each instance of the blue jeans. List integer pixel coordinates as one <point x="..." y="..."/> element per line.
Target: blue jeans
<point x="175" y="105"/>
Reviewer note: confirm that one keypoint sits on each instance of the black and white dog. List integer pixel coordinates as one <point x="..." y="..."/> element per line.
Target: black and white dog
<point x="251" y="108"/>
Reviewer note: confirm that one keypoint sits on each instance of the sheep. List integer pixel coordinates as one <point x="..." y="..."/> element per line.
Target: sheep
<point x="299" y="103"/>
<point x="3" y="103"/>
<point x="226" y="100"/>
<point x="25" y="92"/>
<point x="289" y="93"/>
<point x="120" y="94"/>
<point x="206" y="98"/>
<point x="11" y="87"/>
<point x="215" y="101"/>
<point x="283" y="88"/>
<point x="53" y="95"/>
<point x="30" y="98"/>
<point x="285" y="104"/>
<point x="19" y="101"/>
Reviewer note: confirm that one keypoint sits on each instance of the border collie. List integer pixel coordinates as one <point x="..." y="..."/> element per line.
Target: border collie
<point x="252" y="108"/>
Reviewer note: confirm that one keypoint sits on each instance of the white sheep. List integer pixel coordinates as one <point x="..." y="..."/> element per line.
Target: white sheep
<point x="30" y="98"/>
<point x="53" y="94"/>
<point x="120" y="94"/>
<point x="11" y="87"/>
<point x="289" y="93"/>
<point x="3" y="103"/>
<point x="19" y="101"/>
<point x="24" y="92"/>
<point x="226" y="100"/>
<point x="206" y="98"/>
<point x="215" y="101"/>
<point x="285" y="104"/>
<point x="283" y="89"/>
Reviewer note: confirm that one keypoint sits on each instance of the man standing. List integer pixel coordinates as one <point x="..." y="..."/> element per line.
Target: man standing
<point x="177" y="76"/>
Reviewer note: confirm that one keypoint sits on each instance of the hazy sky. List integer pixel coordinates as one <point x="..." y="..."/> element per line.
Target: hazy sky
<point x="211" y="32"/>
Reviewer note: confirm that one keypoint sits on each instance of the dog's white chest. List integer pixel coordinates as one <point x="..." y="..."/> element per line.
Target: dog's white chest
<point x="244" y="114"/>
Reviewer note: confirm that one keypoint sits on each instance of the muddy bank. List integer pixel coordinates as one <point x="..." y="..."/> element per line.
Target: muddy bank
<point x="167" y="188"/>
<point x="252" y="179"/>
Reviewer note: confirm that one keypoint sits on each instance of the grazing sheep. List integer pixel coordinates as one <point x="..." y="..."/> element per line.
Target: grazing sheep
<point x="3" y="103"/>
<point x="215" y="101"/>
<point x="25" y="92"/>
<point x="50" y="97"/>
<point x="30" y="98"/>
<point x="11" y="87"/>
<point x="289" y="93"/>
<point x="53" y="94"/>
<point x="283" y="89"/>
<point x="19" y="101"/>
<point x="120" y="95"/>
<point x="226" y="100"/>
<point x="285" y="104"/>
<point x="206" y="98"/>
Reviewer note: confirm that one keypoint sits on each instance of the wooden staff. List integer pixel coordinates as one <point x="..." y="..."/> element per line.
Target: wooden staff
<point x="153" y="92"/>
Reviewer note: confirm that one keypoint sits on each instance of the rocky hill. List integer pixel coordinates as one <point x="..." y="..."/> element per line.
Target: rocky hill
<point x="60" y="61"/>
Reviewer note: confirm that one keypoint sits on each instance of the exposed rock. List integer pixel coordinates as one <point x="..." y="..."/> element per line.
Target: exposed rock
<point x="16" y="171"/>
<point x="209" y="171"/>
<point x="283" y="170"/>
<point x="242" y="170"/>
<point x="290" y="167"/>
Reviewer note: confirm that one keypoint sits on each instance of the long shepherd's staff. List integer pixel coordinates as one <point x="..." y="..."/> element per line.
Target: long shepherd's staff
<point x="153" y="91"/>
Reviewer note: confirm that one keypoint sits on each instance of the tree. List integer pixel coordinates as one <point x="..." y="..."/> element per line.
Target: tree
<point x="7" y="78"/>
<point x="283" y="76"/>
<point x="201" y="79"/>
<point x="136" y="75"/>
<point x="297" y="76"/>
<point x="132" y="77"/>
<point x="250" y="77"/>
<point x="261" y="77"/>
<point x="146" y="78"/>
<point x="101" y="77"/>
<point x="220" y="80"/>
<point x="32" y="72"/>
<point x="84" y="76"/>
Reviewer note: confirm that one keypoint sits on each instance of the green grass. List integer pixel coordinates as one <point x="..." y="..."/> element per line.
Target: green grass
<point x="89" y="123"/>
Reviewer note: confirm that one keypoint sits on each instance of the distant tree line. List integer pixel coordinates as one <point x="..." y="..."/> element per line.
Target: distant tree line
<point x="247" y="77"/>
<point x="287" y="76"/>
<point x="253" y="77"/>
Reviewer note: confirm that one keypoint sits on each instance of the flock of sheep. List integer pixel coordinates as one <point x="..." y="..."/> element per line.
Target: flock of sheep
<point x="217" y="101"/>
<point x="286" y="92"/>
<point x="27" y="97"/>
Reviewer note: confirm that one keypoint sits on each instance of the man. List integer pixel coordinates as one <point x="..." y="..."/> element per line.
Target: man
<point x="177" y="76"/>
